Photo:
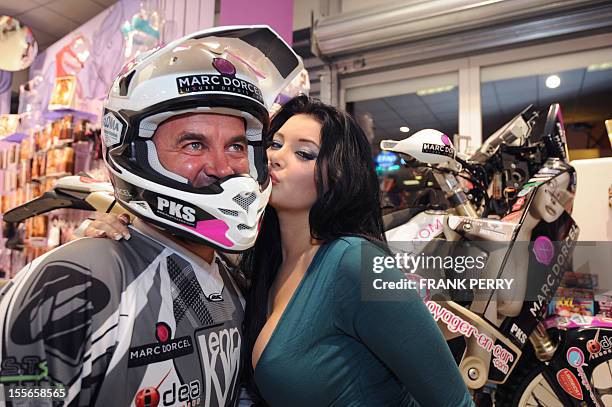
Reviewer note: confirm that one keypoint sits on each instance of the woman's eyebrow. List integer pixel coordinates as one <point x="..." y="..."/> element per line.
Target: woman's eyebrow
<point x="308" y="141"/>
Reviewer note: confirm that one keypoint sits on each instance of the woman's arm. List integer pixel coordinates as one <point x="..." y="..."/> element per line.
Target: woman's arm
<point x="397" y="327"/>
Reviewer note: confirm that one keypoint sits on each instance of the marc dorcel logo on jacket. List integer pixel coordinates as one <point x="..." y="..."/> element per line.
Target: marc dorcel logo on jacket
<point x="225" y="81"/>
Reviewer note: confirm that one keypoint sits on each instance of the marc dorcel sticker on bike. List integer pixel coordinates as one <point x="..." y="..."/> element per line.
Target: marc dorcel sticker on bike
<point x="437" y="149"/>
<point x="445" y="149"/>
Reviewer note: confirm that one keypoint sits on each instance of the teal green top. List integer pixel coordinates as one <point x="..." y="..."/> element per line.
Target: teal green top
<point x="331" y="347"/>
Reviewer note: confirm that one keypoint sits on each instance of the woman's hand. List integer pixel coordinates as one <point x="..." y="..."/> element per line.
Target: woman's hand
<point x="109" y="225"/>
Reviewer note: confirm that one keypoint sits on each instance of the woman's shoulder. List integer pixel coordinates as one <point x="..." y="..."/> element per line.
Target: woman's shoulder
<point x="350" y="254"/>
<point x="359" y="244"/>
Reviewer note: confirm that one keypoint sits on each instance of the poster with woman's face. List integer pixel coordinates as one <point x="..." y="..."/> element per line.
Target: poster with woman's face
<point x="551" y="199"/>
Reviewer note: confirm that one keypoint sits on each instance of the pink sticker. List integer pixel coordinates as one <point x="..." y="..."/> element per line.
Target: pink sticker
<point x="224" y="67"/>
<point x="543" y="250"/>
<point x="446" y="140"/>
<point x="214" y="229"/>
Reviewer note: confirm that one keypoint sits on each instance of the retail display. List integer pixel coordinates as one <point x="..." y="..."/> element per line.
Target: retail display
<point x="30" y="168"/>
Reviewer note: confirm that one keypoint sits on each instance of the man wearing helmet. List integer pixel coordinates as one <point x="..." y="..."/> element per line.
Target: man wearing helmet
<point x="156" y="320"/>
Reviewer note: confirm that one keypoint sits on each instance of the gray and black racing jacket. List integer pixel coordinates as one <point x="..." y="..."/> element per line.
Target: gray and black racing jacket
<point x="141" y="322"/>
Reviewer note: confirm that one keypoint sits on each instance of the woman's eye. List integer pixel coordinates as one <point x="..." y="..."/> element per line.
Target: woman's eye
<point x="275" y="145"/>
<point x="306" y="155"/>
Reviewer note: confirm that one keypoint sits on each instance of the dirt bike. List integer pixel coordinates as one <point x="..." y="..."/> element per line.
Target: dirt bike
<point x="501" y="337"/>
<point x="521" y="175"/>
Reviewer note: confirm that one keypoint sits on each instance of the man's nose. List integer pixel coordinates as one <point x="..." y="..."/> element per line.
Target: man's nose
<point x="219" y="165"/>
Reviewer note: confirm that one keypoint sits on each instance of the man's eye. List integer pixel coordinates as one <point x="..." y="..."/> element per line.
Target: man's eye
<point x="237" y="147"/>
<point x="195" y="146"/>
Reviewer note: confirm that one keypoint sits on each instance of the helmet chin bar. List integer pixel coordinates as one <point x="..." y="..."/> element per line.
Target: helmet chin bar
<point x="229" y="222"/>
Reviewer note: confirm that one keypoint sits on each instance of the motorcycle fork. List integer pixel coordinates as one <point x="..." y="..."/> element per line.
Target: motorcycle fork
<point x="543" y="345"/>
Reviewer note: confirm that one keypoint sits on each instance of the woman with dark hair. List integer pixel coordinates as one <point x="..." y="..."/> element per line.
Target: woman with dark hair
<point x="310" y="338"/>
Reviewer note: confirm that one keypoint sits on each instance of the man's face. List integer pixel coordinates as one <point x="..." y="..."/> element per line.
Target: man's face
<point x="202" y="147"/>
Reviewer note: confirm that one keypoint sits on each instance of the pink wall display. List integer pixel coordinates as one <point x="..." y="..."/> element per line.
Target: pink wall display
<point x="278" y="14"/>
<point x="94" y="53"/>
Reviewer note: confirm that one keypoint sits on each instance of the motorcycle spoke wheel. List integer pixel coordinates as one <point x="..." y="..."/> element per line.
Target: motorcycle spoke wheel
<point x="601" y="380"/>
<point x="539" y="394"/>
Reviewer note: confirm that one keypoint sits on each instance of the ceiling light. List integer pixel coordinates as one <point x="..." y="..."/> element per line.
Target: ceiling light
<point x="553" y="81"/>
<point x="431" y="91"/>
<point x="599" y="67"/>
<point x="404" y="129"/>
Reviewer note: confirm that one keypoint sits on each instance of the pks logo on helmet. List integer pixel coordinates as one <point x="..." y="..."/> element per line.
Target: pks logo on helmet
<point x="174" y="210"/>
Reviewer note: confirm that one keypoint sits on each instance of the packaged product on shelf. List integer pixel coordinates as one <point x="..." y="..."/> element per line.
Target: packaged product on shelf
<point x="66" y="128"/>
<point x="51" y="162"/>
<point x="569" y="301"/>
<point x="604" y="303"/>
<point x="25" y="171"/>
<point x="82" y="156"/>
<point x="26" y="148"/>
<point x="81" y="132"/>
<point x="38" y="227"/>
<point x="43" y="137"/>
<point x="66" y="163"/>
<point x="580" y="280"/>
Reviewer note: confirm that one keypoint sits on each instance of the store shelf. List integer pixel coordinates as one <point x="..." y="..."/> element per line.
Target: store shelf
<point x="15" y="137"/>
<point x="59" y="144"/>
<point x="77" y="114"/>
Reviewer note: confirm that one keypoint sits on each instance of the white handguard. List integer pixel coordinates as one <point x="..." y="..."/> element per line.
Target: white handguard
<point x="428" y="146"/>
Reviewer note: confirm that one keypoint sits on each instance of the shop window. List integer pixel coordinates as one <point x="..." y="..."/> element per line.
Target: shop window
<point x="584" y="95"/>
<point x="397" y="109"/>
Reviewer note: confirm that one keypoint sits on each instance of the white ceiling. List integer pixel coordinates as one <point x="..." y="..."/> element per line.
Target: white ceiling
<point x="582" y="94"/>
<point x="51" y="20"/>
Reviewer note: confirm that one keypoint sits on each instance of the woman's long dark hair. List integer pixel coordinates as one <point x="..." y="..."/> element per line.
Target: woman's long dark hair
<point x="348" y="204"/>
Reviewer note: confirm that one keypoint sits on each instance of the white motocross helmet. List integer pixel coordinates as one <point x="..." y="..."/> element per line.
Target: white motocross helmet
<point x="236" y="71"/>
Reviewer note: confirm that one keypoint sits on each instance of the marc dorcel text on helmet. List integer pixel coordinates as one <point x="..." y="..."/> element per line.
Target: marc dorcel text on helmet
<point x="217" y="83"/>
